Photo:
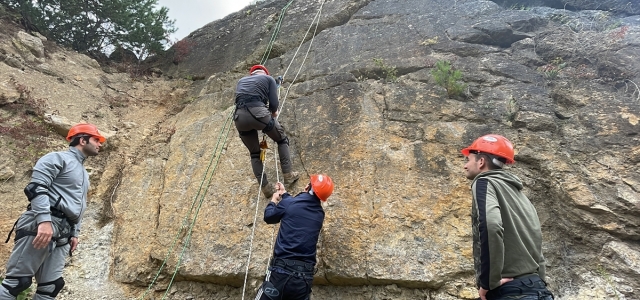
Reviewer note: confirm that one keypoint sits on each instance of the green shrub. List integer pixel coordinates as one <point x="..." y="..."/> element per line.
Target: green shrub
<point x="390" y="72"/>
<point x="448" y="78"/>
<point x="552" y="70"/>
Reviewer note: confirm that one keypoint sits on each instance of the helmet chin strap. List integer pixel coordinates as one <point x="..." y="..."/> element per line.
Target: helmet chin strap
<point x="311" y="191"/>
<point x="498" y="163"/>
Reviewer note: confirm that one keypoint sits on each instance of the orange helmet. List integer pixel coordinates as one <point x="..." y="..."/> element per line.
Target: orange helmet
<point x="492" y="144"/>
<point x="85" y="128"/>
<point x="259" y="67"/>
<point x="322" y="186"/>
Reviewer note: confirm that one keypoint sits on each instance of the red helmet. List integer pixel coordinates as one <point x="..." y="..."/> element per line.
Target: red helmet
<point x="492" y="144"/>
<point x="259" y="67"/>
<point x="322" y="186"/>
<point x="85" y="128"/>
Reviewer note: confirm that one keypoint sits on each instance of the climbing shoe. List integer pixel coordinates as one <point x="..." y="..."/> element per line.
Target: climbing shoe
<point x="290" y="178"/>
<point x="268" y="191"/>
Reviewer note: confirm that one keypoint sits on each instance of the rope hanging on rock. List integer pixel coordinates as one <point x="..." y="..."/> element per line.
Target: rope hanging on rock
<point x="315" y="20"/>
<point x="224" y="131"/>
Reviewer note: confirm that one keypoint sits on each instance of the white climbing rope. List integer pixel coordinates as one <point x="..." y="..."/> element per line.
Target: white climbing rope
<point x="316" y="20"/>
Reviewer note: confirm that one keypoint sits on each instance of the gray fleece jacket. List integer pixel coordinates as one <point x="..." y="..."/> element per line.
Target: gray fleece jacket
<point x="262" y="86"/>
<point x="61" y="175"/>
<point x="507" y="239"/>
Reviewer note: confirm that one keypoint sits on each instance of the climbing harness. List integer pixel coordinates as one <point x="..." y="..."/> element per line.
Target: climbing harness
<point x="31" y="191"/>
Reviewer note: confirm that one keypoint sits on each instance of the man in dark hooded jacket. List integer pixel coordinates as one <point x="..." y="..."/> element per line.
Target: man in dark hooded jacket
<point x="507" y="239"/>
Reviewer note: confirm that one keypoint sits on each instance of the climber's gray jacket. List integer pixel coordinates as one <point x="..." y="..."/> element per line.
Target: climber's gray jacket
<point x="62" y="176"/>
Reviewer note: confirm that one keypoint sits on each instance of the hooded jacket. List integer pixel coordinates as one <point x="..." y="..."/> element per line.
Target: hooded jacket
<point x="507" y="239"/>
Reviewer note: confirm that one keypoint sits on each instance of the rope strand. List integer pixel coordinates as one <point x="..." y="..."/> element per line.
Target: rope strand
<point x="186" y="217"/>
<point x="317" y="17"/>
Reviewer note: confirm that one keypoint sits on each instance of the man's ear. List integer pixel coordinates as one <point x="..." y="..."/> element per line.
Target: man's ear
<point x="482" y="162"/>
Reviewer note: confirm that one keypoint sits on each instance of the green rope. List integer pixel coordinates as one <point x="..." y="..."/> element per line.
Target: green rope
<point x="265" y="56"/>
<point x="186" y="217"/>
<point x="195" y="217"/>
<point x="189" y="213"/>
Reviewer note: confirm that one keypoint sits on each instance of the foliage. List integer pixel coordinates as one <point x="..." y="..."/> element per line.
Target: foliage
<point x="552" y="69"/>
<point x="607" y="277"/>
<point x="519" y="6"/>
<point x="429" y="42"/>
<point x="22" y="122"/>
<point x="182" y="48"/>
<point x="619" y="34"/>
<point x="99" y="25"/>
<point x="512" y="109"/>
<point x="390" y="72"/>
<point x="445" y="76"/>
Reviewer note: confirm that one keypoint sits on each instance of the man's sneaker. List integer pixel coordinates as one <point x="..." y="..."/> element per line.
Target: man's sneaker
<point x="268" y="191"/>
<point x="290" y="178"/>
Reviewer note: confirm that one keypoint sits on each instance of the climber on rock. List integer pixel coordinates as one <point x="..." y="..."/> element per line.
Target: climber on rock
<point x="507" y="239"/>
<point x="48" y="231"/>
<point x="257" y="109"/>
<point x="291" y="269"/>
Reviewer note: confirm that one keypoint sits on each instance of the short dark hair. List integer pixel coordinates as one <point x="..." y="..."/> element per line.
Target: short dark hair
<point x="488" y="158"/>
<point x="76" y="139"/>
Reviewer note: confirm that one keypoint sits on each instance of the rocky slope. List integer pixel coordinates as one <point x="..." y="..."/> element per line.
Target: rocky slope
<point x="559" y="81"/>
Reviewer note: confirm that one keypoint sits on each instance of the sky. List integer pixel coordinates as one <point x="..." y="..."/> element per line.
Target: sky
<point x="193" y="14"/>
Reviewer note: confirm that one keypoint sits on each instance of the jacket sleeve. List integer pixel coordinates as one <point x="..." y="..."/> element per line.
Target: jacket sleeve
<point x="273" y="213"/>
<point x="273" y="95"/>
<point x="46" y="170"/>
<point x="491" y="235"/>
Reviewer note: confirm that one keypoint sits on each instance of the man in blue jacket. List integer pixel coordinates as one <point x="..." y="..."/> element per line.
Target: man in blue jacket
<point x="290" y="274"/>
<point x="48" y="231"/>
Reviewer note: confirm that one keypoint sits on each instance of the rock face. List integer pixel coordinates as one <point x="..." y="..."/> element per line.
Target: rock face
<point x="561" y="84"/>
<point x="617" y="6"/>
<point x="399" y="217"/>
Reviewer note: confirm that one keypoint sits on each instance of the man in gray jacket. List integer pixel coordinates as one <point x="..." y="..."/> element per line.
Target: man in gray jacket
<point x="49" y="229"/>
<point x="507" y="239"/>
<point x="257" y="109"/>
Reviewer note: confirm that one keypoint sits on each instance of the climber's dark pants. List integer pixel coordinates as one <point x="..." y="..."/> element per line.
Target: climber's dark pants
<point x="248" y="121"/>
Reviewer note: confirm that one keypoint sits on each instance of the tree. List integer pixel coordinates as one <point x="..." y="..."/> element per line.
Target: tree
<point x="88" y="25"/>
<point x="448" y="78"/>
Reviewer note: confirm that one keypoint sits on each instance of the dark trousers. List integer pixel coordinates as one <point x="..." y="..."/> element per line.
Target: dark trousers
<point x="248" y="121"/>
<point x="285" y="286"/>
<point x="524" y="288"/>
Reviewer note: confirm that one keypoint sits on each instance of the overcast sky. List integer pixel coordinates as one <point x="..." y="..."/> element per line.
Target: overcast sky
<point x="193" y="14"/>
